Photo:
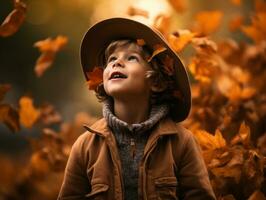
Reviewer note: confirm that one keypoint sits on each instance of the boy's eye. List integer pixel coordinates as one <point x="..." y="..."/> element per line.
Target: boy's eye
<point x="133" y="58"/>
<point x="111" y="59"/>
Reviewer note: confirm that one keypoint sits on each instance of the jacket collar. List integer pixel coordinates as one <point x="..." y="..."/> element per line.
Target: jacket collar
<point x="165" y="127"/>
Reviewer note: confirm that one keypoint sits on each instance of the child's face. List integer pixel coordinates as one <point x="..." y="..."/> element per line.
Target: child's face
<point x="125" y="73"/>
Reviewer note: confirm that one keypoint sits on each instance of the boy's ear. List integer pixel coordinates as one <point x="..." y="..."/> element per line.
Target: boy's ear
<point x="159" y="87"/>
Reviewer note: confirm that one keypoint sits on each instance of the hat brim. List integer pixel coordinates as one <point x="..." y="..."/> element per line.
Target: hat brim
<point x="99" y="36"/>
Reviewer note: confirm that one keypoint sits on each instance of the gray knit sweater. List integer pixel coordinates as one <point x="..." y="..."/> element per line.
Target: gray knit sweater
<point x="131" y="140"/>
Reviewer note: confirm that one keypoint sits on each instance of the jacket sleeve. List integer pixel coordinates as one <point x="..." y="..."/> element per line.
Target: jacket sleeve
<point x="75" y="184"/>
<point x="193" y="176"/>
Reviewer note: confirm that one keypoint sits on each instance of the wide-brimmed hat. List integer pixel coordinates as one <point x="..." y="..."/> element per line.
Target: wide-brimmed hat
<point x="101" y="34"/>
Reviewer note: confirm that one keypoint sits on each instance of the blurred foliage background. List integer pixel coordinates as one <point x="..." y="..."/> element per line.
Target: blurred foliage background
<point x="63" y="85"/>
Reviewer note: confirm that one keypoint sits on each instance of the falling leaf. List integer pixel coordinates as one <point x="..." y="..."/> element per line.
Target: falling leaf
<point x="208" y="22"/>
<point x="157" y="49"/>
<point x="95" y="78"/>
<point x="257" y="30"/>
<point x="4" y="88"/>
<point x="236" y="2"/>
<point x="14" y="20"/>
<point x="243" y="135"/>
<point x="132" y="11"/>
<point x="204" y="44"/>
<point x="49" y="115"/>
<point x="260" y="5"/>
<point x="48" y="47"/>
<point x="179" y="5"/>
<point x="10" y="117"/>
<point x="180" y="39"/>
<point x="39" y="164"/>
<point x="28" y="113"/>
<point x="141" y="42"/>
<point x="162" y="23"/>
<point x="236" y="23"/>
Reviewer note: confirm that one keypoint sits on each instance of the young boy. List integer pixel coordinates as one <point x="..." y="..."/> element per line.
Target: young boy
<point x="138" y="150"/>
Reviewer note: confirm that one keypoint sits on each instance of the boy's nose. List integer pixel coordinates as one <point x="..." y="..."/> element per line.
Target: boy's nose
<point x="118" y="63"/>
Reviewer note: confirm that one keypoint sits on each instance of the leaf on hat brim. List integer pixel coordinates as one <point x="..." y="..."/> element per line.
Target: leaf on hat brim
<point x="208" y="22"/>
<point x="243" y="136"/>
<point x="257" y="29"/>
<point x="14" y="20"/>
<point x="204" y="44"/>
<point x="168" y="64"/>
<point x="141" y="42"/>
<point x="179" y="5"/>
<point x="236" y="2"/>
<point x="95" y="77"/>
<point x="9" y="116"/>
<point x="235" y="23"/>
<point x="132" y="11"/>
<point x="180" y="39"/>
<point x="28" y="114"/>
<point x="4" y="88"/>
<point x="158" y="48"/>
<point x="48" y="47"/>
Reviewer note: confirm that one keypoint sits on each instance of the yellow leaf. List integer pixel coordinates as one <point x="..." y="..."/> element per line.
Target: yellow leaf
<point x="180" y="39"/>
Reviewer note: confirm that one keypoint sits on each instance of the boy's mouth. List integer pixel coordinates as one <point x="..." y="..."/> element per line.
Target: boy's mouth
<point x="117" y="75"/>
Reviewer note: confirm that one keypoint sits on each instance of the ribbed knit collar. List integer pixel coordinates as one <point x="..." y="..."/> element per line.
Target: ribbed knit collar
<point x="157" y="113"/>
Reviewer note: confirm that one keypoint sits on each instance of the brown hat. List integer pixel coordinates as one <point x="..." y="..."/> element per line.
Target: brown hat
<point x="101" y="34"/>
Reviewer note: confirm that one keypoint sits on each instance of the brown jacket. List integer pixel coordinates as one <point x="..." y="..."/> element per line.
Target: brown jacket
<point x="171" y="168"/>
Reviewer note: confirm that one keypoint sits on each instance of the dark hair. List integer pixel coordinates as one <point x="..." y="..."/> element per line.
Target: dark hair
<point x="157" y="74"/>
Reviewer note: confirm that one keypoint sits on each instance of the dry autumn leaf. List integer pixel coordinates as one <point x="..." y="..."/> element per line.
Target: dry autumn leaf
<point x="180" y="39"/>
<point x="10" y="117"/>
<point x="132" y="11"/>
<point x="178" y="5"/>
<point x="48" y="47"/>
<point x="49" y="115"/>
<point x="14" y="20"/>
<point x="208" y="22"/>
<point x="204" y="45"/>
<point x="28" y="114"/>
<point x="95" y="78"/>
<point x="157" y="49"/>
<point x="236" y="22"/>
<point x="162" y="23"/>
<point x="243" y="135"/>
<point x="236" y="2"/>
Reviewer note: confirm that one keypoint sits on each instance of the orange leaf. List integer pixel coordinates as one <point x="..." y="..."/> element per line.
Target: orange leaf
<point x="27" y="112"/>
<point x="162" y="23"/>
<point x="236" y="2"/>
<point x="257" y="30"/>
<point x="95" y="77"/>
<point x="49" y="115"/>
<point x="156" y="50"/>
<point x="208" y="21"/>
<point x="49" y="48"/>
<point x="4" y="88"/>
<point x="178" y="5"/>
<point x="236" y="23"/>
<point x="141" y="42"/>
<point x="10" y="117"/>
<point x="14" y="20"/>
<point x="180" y="39"/>
<point x="203" y="44"/>
<point x="243" y="135"/>
<point x="132" y="11"/>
